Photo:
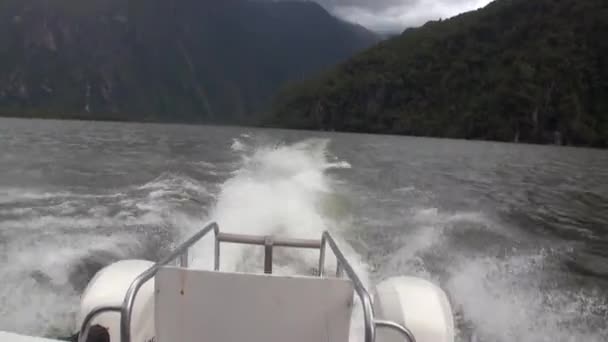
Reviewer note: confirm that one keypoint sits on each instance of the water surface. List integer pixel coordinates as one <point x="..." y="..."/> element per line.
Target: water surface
<point x="516" y="234"/>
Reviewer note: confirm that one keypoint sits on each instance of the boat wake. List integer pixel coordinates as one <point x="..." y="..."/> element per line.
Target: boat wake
<point x="280" y="190"/>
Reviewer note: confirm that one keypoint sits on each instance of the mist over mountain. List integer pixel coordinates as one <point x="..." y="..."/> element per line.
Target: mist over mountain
<point x="393" y="16"/>
<point x="187" y="60"/>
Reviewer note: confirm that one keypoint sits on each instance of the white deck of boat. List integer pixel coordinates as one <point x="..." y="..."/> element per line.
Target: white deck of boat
<point x="229" y="307"/>
<point x="10" y="337"/>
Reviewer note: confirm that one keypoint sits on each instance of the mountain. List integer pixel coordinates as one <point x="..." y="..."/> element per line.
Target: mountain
<point x="186" y="60"/>
<point x="516" y="70"/>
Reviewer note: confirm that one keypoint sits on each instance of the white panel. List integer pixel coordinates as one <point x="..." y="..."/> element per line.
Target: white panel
<point x="205" y="306"/>
<point x="9" y="337"/>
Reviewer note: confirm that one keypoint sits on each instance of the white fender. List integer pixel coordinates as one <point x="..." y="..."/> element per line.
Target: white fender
<point x="108" y="288"/>
<point x="418" y="305"/>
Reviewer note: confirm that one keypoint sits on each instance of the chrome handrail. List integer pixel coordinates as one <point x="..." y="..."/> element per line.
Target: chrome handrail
<point x="366" y="300"/>
<point x="368" y="309"/>
<point x="407" y="333"/>
<point x="268" y="242"/>
<point x="84" y="328"/>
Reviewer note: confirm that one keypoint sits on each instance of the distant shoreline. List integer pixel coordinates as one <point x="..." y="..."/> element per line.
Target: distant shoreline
<point x="113" y="119"/>
<point x="79" y="117"/>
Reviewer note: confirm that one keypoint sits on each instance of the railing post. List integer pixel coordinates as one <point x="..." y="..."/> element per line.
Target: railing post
<point x="183" y="259"/>
<point x="322" y="256"/>
<point x="268" y="242"/>
<point x="339" y="270"/>
<point x="216" y="262"/>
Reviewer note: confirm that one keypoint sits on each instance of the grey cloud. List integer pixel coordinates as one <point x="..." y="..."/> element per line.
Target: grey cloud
<point x="396" y="15"/>
<point x="369" y="5"/>
<point x="378" y="5"/>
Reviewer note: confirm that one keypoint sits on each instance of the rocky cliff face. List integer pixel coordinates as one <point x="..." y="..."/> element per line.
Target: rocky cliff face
<point x="187" y="60"/>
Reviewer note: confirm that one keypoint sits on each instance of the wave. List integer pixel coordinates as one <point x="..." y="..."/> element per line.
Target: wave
<point x="512" y="299"/>
<point x="237" y="145"/>
<point x="52" y="243"/>
<point x="39" y="292"/>
<point x="502" y="286"/>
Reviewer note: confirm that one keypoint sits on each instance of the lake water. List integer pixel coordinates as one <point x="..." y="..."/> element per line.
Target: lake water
<point x="517" y="235"/>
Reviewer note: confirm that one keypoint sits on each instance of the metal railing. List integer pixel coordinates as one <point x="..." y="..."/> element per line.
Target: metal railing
<point x="366" y="301"/>
<point x="269" y="242"/>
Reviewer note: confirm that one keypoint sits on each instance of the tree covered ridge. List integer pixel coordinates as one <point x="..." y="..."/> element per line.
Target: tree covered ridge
<point x="516" y="70"/>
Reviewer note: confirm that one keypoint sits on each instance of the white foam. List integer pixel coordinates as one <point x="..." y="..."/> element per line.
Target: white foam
<point x="277" y="191"/>
<point x="237" y="145"/>
<point x="173" y="183"/>
<point x="509" y="300"/>
<point x="36" y="296"/>
<point x="499" y="294"/>
<point x="47" y="306"/>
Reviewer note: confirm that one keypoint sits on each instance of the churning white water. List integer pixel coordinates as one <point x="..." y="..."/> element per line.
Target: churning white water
<point x="278" y="190"/>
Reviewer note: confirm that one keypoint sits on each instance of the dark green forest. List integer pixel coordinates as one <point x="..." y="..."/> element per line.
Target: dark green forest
<point x="185" y="61"/>
<point x="516" y="70"/>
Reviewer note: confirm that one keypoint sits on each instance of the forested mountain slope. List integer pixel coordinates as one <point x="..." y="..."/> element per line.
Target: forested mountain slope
<point x="516" y="70"/>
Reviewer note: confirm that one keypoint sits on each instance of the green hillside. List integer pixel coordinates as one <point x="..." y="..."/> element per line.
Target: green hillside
<point x="516" y="70"/>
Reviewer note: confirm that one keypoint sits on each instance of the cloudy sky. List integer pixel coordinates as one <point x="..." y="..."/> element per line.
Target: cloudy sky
<point x="396" y="15"/>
